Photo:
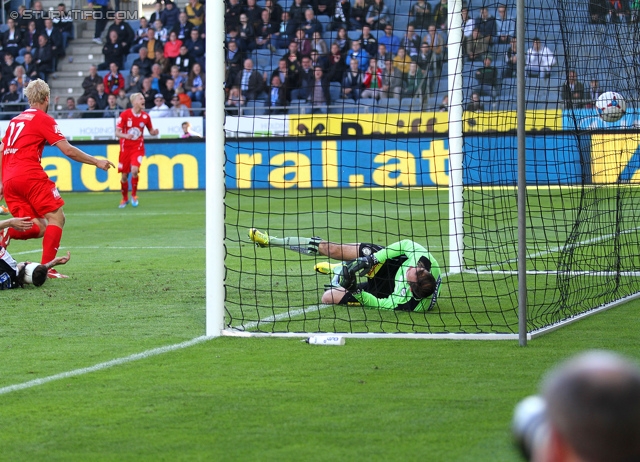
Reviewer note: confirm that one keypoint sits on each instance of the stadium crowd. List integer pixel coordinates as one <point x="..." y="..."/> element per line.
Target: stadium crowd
<point x="162" y="57"/>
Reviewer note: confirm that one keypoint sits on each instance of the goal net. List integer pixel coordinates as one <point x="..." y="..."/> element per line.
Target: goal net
<point x="419" y="143"/>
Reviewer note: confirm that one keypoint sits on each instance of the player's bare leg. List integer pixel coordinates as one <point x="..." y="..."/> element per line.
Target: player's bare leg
<point x="51" y="241"/>
<point x="134" y="185"/>
<point x="333" y="296"/>
<point x="36" y="231"/>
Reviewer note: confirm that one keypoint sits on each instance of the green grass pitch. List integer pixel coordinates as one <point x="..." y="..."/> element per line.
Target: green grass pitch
<point x="138" y="282"/>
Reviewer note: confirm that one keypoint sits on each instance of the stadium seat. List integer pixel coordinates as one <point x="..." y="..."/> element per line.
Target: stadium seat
<point x="388" y="105"/>
<point x="125" y="73"/>
<point x="134" y="23"/>
<point x="335" y="90"/>
<point x="299" y="106"/>
<point x="102" y="74"/>
<point x="82" y="107"/>
<point x="354" y="34"/>
<point x="400" y="23"/>
<point x="367" y="105"/>
<point x="131" y="57"/>
<point x="196" y="105"/>
<point x="344" y="107"/>
<point x="411" y="104"/>
<point x="324" y="20"/>
<point x="20" y="59"/>
<point x="262" y="58"/>
<point x="4" y="28"/>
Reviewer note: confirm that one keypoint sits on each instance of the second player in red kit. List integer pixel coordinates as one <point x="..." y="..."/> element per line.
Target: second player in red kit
<point x="130" y="129"/>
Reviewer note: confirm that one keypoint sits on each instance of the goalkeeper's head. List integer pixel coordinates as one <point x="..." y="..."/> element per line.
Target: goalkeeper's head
<point x="421" y="281"/>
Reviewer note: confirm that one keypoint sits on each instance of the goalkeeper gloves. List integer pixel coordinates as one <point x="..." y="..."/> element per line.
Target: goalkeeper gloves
<point x="362" y="264"/>
<point x="347" y="279"/>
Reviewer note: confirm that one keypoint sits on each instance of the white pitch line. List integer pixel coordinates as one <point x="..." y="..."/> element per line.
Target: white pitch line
<point x="25" y="252"/>
<point x="279" y="317"/>
<point x="106" y="365"/>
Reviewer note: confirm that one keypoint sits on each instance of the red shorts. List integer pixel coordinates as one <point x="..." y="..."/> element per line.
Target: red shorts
<point x="129" y="159"/>
<point x="32" y="198"/>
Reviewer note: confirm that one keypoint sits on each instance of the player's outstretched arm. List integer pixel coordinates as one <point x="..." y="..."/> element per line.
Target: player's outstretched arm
<point x="80" y="156"/>
<point x="21" y="224"/>
<point x="154" y="132"/>
<point x="1" y="156"/>
<point x="59" y="261"/>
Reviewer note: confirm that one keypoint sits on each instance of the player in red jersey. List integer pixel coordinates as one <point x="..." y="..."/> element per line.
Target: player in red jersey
<point x="24" y="184"/>
<point x="130" y="130"/>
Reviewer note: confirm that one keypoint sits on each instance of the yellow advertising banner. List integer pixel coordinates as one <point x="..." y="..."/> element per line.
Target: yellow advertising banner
<point x="611" y="158"/>
<point x="349" y="125"/>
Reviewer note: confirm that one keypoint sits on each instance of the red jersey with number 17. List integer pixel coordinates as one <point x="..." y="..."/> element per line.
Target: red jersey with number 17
<point x="133" y="124"/>
<point x="24" y="142"/>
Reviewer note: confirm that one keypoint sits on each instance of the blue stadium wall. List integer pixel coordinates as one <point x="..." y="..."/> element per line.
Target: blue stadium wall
<point x="552" y="159"/>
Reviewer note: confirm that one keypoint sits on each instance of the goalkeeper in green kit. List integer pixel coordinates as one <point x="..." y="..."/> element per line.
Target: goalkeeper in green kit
<point x="403" y="276"/>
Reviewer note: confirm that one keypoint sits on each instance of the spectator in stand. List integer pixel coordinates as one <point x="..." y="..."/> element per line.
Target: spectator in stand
<point x="336" y="64"/>
<point x="392" y="80"/>
<point x="475" y="105"/>
<point x="372" y="81"/>
<point x="89" y="84"/>
<point x="359" y="55"/>
<point x="43" y="58"/>
<point x="276" y="97"/>
<point x="264" y="31"/>
<point x="133" y="82"/>
<point x="169" y="90"/>
<point x="112" y="51"/>
<point x="594" y="91"/>
<point x="317" y="60"/>
<point x="92" y="111"/>
<point x="297" y="10"/>
<point x="20" y="76"/>
<point x="598" y="11"/>
<point x="183" y="28"/>
<point x="157" y="78"/>
<point x="11" y="39"/>
<point x="505" y="26"/>
<point x="113" y="81"/>
<point x="383" y="56"/>
<point x="249" y="80"/>
<point x="275" y="11"/>
<point x="123" y="100"/>
<point x="143" y="62"/>
<point x="341" y="16"/>
<point x="358" y="15"/>
<point x="440" y="13"/>
<point x="305" y="81"/>
<point x="320" y="96"/>
<point x="487" y="78"/>
<point x="318" y="44"/>
<point x="323" y="7"/>
<point x="29" y="40"/>
<point x="232" y="13"/>
<point x="310" y="24"/>
<point x="172" y="47"/>
<point x="435" y="48"/>
<point x="163" y="62"/>
<point x="233" y="62"/>
<point x="148" y="93"/>
<point x="126" y="35"/>
<point x="157" y="12"/>
<point x="38" y="15"/>
<point x="293" y="58"/>
<point x="100" y="8"/>
<point x="30" y="68"/>
<point x="401" y="61"/>
<point x="618" y="11"/>
<point x="179" y="78"/>
<point x="178" y="109"/>
<point x="183" y="97"/>
<point x="389" y="40"/>
<point x="476" y="47"/>
<point x="150" y="43"/>
<point x="343" y="41"/>
<point x="246" y="34"/>
<point x="142" y="36"/>
<point x="7" y="70"/>
<point x="486" y="24"/>
<point x="468" y="23"/>
<point x="304" y="44"/>
<point x="196" y="47"/>
<point x="161" y="33"/>
<point x="55" y="41"/>
<point x="444" y="105"/>
<point x="510" y="60"/>
<point x="22" y="23"/>
<point x="280" y="38"/>
<point x="411" y="42"/>
<point x="421" y="14"/>
<point x="195" y="12"/>
<point x="100" y="96"/>
<point x="63" y="23"/>
<point x="353" y="82"/>
<point x="170" y="15"/>
<point x="70" y="112"/>
<point x="160" y="109"/>
<point x="12" y="100"/>
<point x="187" y="132"/>
<point x="378" y="15"/>
<point x="282" y="71"/>
<point x="415" y="85"/>
<point x="539" y="60"/>
<point x="112" y="110"/>
<point x="572" y="91"/>
<point x="367" y="41"/>
<point x="235" y="101"/>
<point x="253" y="12"/>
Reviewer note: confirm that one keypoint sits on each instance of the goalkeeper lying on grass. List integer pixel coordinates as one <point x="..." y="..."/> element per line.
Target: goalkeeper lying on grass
<point x="403" y="276"/>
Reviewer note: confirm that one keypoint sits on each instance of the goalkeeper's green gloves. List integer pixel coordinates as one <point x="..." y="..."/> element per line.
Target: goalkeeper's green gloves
<point x="362" y="264"/>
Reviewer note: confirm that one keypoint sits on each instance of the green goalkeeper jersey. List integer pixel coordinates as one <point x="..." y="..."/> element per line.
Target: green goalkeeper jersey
<point x="402" y="297"/>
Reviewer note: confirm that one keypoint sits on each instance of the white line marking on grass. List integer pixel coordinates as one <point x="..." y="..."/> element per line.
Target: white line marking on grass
<point x="25" y="252"/>
<point x="101" y="366"/>
<point x="281" y="316"/>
